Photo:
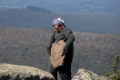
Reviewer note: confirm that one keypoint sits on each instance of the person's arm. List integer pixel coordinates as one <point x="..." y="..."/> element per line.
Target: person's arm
<point x="51" y="40"/>
<point x="50" y="43"/>
<point x="70" y="36"/>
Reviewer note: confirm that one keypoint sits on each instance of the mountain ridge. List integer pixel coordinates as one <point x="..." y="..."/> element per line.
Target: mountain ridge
<point x="68" y="6"/>
<point x="35" y="17"/>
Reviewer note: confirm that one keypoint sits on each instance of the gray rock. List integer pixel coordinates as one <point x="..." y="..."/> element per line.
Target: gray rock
<point x="18" y="72"/>
<point x="83" y="74"/>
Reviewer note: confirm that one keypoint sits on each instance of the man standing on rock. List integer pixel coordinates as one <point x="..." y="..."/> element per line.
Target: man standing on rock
<point x="62" y="33"/>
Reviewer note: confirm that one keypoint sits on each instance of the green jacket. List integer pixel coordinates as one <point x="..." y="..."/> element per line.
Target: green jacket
<point x="67" y="35"/>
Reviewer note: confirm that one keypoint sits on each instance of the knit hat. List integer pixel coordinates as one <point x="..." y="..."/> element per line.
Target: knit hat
<point x="58" y="21"/>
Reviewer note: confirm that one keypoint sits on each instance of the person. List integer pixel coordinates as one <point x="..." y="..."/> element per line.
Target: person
<point x="62" y="33"/>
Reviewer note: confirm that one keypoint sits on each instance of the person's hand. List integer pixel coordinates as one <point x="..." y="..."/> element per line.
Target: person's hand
<point x="48" y="51"/>
<point x="64" y="52"/>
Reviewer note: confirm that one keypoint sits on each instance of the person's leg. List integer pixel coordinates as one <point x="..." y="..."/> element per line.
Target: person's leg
<point x="53" y="71"/>
<point x="65" y="70"/>
<point x="65" y="73"/>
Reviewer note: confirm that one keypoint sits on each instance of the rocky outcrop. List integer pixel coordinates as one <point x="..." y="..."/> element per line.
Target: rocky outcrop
<point x="83" y="74"/>
<point x="18" y="72"/>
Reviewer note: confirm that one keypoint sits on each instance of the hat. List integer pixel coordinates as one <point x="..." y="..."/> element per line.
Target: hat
<point x="58" y="21"/>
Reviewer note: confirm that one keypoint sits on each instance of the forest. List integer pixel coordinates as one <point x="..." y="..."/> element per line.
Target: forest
<point x="27" y="46"/>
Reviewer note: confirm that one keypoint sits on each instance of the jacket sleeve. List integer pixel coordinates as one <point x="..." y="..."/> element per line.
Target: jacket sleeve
<point x="51" y="40"/>
<point x="70" y="37"/>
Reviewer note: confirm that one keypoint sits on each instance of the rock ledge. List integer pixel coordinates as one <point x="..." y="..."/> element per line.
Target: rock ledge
<point x="83" y="74"/>
<point x="19" y="72"/>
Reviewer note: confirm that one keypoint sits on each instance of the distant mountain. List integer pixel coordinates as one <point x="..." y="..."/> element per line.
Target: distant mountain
<point x="68" y="6"/>
<point x="35" y="17"/>
<point x="31" y="8"/>
<point x="27" y="46"/>
<point x="27" y="17"/>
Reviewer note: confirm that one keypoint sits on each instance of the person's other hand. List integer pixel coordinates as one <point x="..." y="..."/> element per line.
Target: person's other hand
<point x="64" y="52"/>
<point x="49" y="51"/>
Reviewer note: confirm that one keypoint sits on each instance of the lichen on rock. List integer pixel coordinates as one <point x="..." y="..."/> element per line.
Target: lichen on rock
<point x="83" y="74"/>
<point x="19" y="72"/>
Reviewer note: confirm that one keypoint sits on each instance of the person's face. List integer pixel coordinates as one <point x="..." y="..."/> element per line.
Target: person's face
<point x="58" y="28"/>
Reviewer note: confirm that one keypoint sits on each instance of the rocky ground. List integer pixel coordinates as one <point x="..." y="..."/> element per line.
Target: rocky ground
<point x="18" y="72"/>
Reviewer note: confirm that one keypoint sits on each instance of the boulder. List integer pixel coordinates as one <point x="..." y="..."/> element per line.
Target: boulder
<point x="83" y="74"/>
<point x="19" y="72"/>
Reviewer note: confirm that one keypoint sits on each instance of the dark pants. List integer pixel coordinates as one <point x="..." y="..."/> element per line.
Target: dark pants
<point x="64" y="71"/>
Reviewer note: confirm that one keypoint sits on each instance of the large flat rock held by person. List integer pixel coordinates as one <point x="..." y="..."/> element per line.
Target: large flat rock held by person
<point x="18" y="72"/>
<point x="56" y="51"/>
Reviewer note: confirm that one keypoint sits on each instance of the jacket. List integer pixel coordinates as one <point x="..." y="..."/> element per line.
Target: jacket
<point x="67" y="35"/>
